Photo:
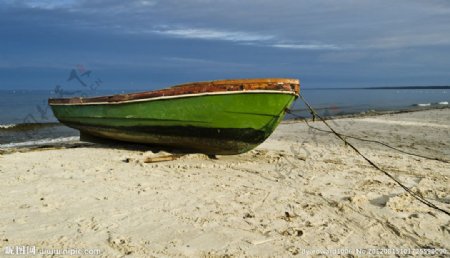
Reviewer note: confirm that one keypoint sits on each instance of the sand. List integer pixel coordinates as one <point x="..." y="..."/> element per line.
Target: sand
<point x="299" y="192"/>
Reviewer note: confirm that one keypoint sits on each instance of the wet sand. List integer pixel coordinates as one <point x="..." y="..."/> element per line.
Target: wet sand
<point x="301" y="190"/>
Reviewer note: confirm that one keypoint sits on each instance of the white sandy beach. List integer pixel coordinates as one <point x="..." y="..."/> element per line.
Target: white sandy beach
<point x="301" y="190"/>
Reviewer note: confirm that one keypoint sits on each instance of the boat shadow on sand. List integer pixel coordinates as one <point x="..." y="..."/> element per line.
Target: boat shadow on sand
<point x="166" y="152"/>
<point x="162" y="153"/>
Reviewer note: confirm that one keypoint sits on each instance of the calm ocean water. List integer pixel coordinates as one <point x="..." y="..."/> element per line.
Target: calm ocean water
<point x="25" y="116"/>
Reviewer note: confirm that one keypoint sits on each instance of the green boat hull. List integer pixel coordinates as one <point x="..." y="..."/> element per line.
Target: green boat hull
<point x="213" y="124"/>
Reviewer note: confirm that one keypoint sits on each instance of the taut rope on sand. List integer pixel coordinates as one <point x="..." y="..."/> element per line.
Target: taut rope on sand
<point x="367" y="140"/>
<point x="342" y="137"/>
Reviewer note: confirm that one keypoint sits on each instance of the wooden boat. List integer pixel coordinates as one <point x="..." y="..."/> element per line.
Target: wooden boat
<point x="215" y="117"/>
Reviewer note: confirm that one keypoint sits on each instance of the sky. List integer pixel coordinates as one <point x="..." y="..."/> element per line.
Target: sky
<point x="149" y="44"/>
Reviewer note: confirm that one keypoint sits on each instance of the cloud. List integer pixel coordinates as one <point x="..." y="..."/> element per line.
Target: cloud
<point x="93" y="6"/>
<point x="296" y="24"/>
<point x="308" y="46"/>
<point x="246" y="38"/>
<point x="214" y="34"/>
<point x="43" y="4"/>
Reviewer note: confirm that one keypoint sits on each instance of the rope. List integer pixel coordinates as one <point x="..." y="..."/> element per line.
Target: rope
<point x="341" y="137"/>
<point x="367" y="140"/>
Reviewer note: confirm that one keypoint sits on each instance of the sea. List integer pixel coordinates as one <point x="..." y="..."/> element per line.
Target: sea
<point x="26" y="119"/>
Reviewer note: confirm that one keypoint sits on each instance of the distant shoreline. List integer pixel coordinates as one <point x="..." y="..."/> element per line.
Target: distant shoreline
<point x="409" y="88"/>
<point x="385" y="88"/>
<point x="369" y="113"/>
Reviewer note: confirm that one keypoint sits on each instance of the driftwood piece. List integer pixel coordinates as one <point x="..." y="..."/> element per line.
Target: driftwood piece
<point x="161" y="158"/>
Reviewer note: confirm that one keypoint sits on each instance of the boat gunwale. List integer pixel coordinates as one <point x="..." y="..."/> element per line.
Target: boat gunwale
<point x="177" y="97"/>
<point x="220" y="87"/>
